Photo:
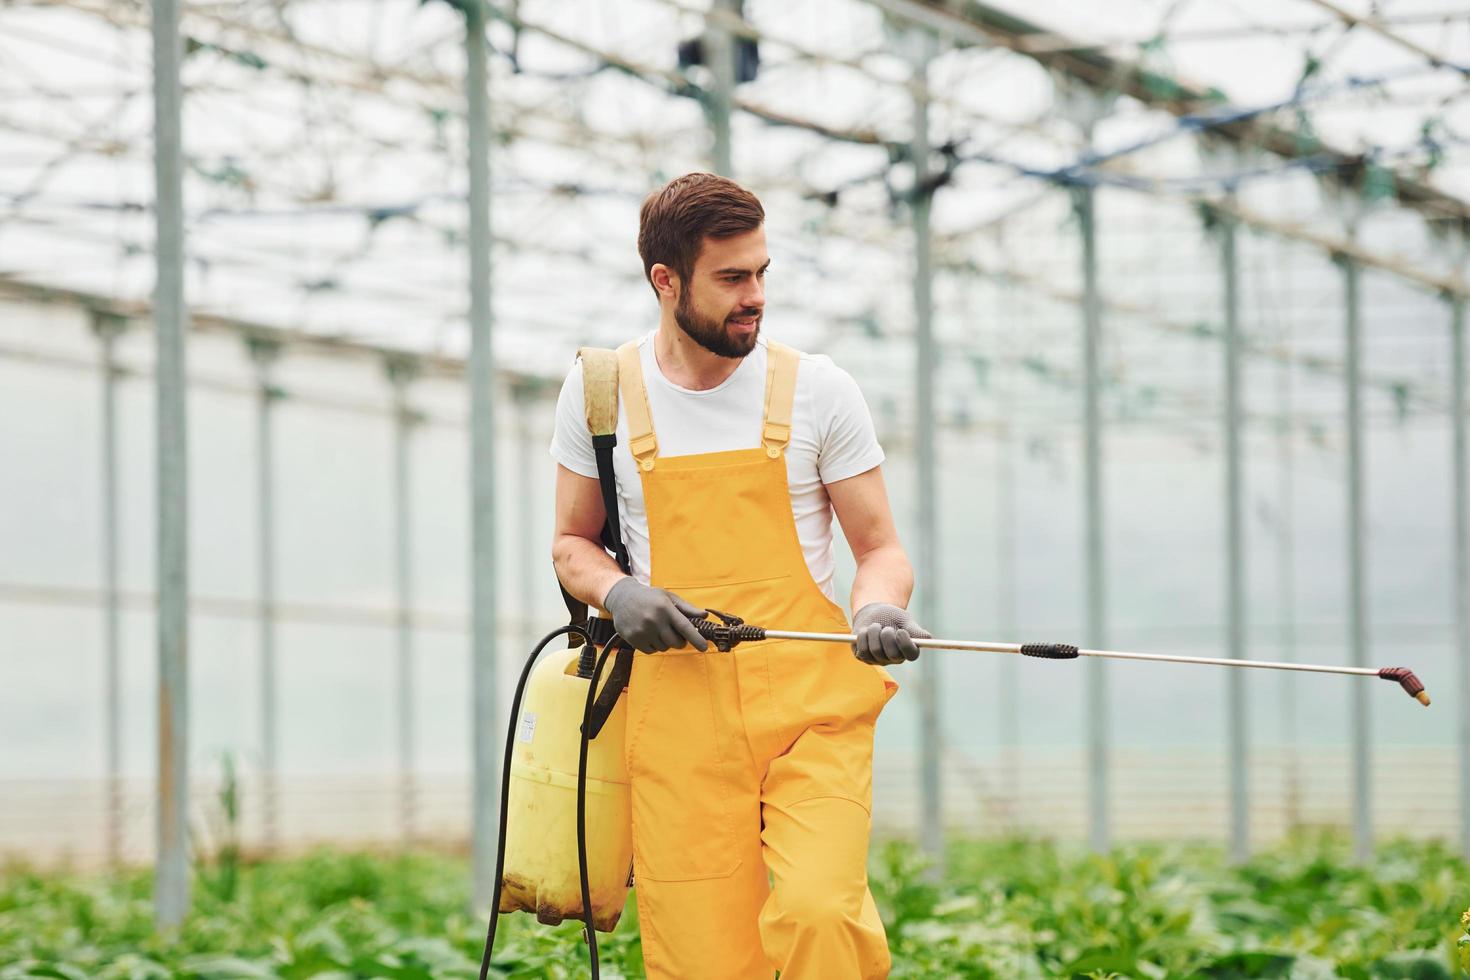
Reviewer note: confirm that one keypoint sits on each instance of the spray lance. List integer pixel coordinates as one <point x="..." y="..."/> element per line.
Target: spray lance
<point x="728" y="631"/>
<point x="598" y="890"/>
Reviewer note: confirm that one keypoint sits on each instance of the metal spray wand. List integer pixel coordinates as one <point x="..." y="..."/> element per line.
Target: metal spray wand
<point x="731" y="630"/>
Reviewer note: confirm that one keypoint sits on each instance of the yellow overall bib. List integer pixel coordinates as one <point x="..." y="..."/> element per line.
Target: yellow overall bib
<point x="753" y="761"/>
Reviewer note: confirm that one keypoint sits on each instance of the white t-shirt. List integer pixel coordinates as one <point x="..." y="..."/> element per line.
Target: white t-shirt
<point x="832" y="438"/>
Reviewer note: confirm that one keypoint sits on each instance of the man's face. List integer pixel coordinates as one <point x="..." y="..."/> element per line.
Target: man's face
<point x="721" y="306"/>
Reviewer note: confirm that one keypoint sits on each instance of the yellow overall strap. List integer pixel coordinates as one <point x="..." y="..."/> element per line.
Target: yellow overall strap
<point x="641" y="441"/>
<point x="781" y="365"/>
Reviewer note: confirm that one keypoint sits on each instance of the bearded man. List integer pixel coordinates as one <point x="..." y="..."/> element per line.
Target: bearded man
<point x="750" y="771"/>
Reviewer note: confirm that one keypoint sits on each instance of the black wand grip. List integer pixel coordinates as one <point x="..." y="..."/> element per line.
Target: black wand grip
<point x="729" y="631"/>
<point x="1050" y="651"/>
<point x="725" y="637"/>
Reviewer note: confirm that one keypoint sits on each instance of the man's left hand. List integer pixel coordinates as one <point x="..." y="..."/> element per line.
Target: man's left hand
<point x="885" y="634"/>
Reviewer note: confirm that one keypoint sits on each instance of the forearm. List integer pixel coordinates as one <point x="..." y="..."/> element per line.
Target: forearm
<point x="586" y="570"/>
<point x="883" y="575"/>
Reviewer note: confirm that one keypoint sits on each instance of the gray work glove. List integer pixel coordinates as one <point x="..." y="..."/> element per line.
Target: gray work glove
<point x="650" y="619"/>
<point x="885" y="634"/>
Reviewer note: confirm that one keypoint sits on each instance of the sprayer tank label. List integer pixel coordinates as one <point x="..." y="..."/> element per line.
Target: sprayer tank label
<point x="527" y="730"/>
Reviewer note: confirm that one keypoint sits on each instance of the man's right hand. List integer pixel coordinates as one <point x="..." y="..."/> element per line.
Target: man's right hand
<point x="652" y="620"/>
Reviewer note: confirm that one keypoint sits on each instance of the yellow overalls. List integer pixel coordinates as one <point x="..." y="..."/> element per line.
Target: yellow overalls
<point x="755" y="760"/>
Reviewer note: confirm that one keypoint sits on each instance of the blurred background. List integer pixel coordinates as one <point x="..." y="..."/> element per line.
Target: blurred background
<point x="1156" y="304"/>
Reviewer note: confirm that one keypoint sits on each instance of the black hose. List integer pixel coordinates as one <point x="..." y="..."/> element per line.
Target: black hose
<point x="515" y="710"/>
<point x="590" y="930"/>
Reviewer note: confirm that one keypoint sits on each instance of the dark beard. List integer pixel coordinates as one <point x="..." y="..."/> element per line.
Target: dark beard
<point x="711" y="334"/>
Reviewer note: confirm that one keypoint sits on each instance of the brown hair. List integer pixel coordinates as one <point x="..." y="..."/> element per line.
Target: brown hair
<point x="676" y="218"/>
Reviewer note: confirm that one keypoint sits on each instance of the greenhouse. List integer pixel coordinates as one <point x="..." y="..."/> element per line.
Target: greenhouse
<point x="1158" y="308"/>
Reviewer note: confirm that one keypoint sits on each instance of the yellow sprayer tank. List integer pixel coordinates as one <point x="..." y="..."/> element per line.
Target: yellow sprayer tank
<point x="541" y="831"/>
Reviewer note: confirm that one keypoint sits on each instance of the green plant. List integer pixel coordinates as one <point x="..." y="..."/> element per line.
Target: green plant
<point x="1463" y="944"/>
<point x="1004" y="910"/>
<point x="219" y="872"/>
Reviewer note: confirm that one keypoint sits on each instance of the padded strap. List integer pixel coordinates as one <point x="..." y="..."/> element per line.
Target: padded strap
<point x="781" y="365"/>
<point x="600" y="393"/>
<point x="641" y="441"/>
<point x="600" y="389"/>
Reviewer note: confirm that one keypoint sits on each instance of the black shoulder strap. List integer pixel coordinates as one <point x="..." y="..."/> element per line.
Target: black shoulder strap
<point x="600" y="392"/>
<point x="600" y="399"/>
<point x="612" y="540"/>
<point x="612" y="531"/>
<point x="599" y="628"/>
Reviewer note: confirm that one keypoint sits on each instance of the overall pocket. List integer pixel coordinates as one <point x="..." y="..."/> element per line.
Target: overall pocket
<point x="678" y="772"/>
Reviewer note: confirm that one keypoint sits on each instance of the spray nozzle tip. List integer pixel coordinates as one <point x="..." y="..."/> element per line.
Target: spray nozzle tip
<point x="1412" y="686"/>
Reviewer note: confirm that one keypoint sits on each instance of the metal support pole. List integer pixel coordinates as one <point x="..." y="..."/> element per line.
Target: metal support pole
<point x="1462" y="562"/>
<point x="264" y="353"/>
<point x="1009" y="713"/>
<point x="931" y="788"/>
<point x="525" y="401"/>
<point x="107" y="328"/>
<point x="1096" y="623"/>
<point x="1010" y="670"/>
<point x="1357" y="568"/>
<point x="171" y="882"/>
<point x="400" y="373"/>
<point x="485" y="723"/>
<point x="1235" y="547"/>
<point x="1286" y="574"/>
<point x="719" y="46"/>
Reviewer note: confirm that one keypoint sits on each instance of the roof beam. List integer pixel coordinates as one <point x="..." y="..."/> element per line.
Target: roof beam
<point x="976" y="22"/>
